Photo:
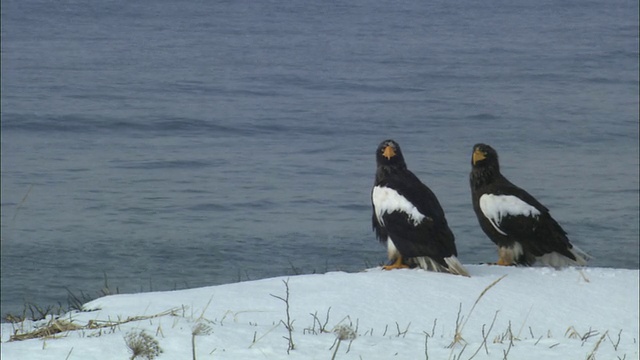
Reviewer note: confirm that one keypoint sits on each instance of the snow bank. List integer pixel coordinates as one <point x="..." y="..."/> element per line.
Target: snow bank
<point x="530" y="313"/>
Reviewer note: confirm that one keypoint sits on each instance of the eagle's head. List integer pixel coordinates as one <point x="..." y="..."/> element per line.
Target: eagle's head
<point x="389" y="154"/>
<point x="484" y="156"/>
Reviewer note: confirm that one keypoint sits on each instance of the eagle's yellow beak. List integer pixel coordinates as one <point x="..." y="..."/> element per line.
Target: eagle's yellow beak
<point x="478" y="156"/>
<point x="388" y="152"/>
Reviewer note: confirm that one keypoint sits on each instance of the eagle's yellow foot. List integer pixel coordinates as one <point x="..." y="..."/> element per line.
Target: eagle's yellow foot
<point x="503" y="262"/>
<point x="397" y="264"/>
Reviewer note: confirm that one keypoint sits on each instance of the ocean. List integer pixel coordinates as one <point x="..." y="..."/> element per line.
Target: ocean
<point x="159" y="145"/>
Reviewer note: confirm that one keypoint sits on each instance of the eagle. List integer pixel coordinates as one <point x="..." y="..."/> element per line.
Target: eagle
<point x="515" y="221"/>
<point x="408" y="218"/>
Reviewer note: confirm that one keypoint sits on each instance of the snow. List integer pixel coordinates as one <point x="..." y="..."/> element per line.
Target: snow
<point x="540" y="313"/>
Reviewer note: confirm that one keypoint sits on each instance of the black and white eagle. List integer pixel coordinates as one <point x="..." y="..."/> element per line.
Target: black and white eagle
<point x="408" y="217"/>
<point x="514" y="220"/>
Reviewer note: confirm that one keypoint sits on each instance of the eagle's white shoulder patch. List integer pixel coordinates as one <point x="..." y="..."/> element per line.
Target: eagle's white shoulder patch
<point x="387" y="200"/>
<point x="495" y="207"/>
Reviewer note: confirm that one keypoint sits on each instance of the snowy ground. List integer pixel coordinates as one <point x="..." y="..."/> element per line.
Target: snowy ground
<point x="531" y="313"/>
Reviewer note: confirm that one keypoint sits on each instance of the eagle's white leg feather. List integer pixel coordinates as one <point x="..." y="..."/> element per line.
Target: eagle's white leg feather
<point x="510" y="255"/>
<point x="392" y="251"/>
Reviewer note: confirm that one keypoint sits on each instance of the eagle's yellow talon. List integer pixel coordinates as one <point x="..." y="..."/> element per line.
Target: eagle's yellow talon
<point x="397" y="264"/>
<point x="502" y="262"/>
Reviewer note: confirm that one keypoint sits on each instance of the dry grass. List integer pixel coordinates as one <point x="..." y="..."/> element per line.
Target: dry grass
<point x="75" y="301"/>
<point x="457" y="338"/>
<point x="53" y="328"/>
<point x="289" y="323"/>
<point x="58" y="326"/>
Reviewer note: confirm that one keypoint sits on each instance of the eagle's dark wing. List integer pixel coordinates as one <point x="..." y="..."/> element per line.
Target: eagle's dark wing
<point x="413" y="217"/>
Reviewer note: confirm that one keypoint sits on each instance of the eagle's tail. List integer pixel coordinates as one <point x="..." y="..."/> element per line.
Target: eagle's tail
<point x="558" y="260"/>
<point x="453" y="265"/>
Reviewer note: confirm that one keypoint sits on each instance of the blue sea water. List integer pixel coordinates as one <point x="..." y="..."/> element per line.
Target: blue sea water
<point x="168" y="145"/>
